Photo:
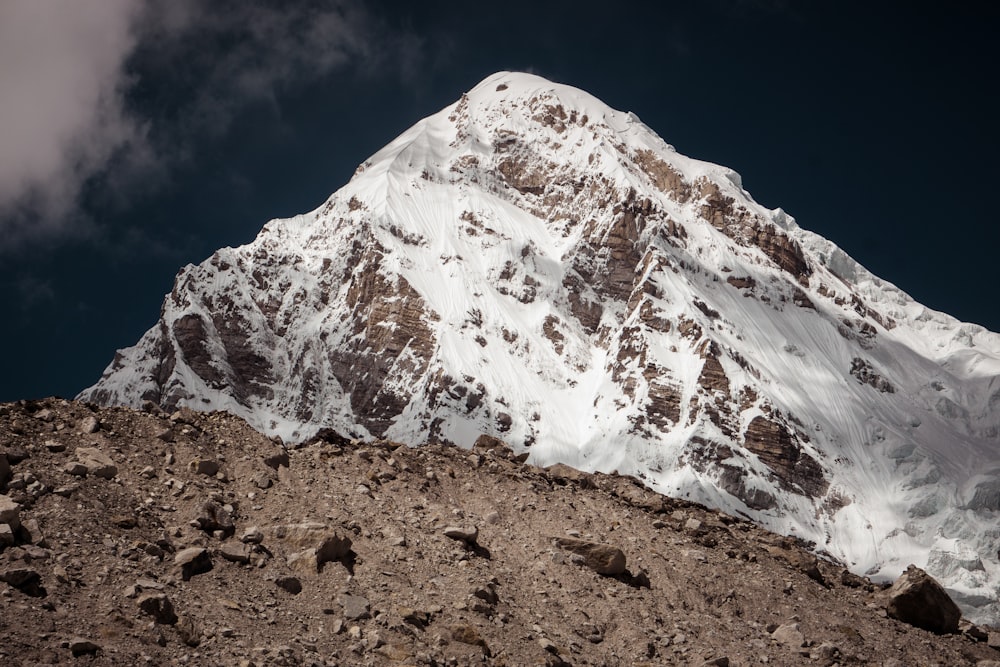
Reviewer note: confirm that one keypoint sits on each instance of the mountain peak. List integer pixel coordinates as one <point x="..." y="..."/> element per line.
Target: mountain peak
<point x="532" y="265"/>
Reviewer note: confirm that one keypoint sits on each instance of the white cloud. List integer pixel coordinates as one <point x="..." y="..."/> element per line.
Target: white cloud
<point x="61" y="111"/>
<point x="70" y="72"/>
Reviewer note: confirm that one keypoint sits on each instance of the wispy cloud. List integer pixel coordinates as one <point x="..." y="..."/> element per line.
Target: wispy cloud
<point x="62" y="116"/>
<point x="106" y="94"/>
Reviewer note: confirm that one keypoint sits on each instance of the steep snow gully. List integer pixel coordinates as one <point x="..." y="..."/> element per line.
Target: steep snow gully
<point x="533" y="265"/>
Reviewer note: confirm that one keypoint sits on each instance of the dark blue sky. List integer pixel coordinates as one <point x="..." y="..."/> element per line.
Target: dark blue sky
<point x="874" y="124"/>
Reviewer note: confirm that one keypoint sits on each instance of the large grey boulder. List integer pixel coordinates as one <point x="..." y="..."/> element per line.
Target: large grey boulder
<point x="918" y="599"/>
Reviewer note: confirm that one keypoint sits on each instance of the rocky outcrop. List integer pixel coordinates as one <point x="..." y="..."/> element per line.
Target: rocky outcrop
<point x="865" y="373"/>
<point x="776" y="447"/>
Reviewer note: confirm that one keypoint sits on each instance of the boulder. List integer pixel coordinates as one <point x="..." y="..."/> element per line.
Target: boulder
<point x="468" y="534"/>
<point x="302" y="535"/>
<point x="79" y="646"/>
<point x="790" y="635"/>
<point x="235" y="553"/>
<point x="207" y="467"/>
<point x="53" y="446"/>
<point x="89" y="424"/>
<point x="321" y="545"/>
<point x="918" y="599"/>
<point x="75" y="468"/>
<point x="10" y="512"/>
<point x="4" y="470"/>
<point x="192" y="561"/>
<point x="213" y="517"/>
<point x="280" y="459"/>
<point x="159" y="607"/>
<point x="189" y="631"/>
<point x="304" y="561"/>
<point x="24" y="579"/>
<point x="467" y="634"/>
<point x="96" y="462"/>
<point x="252" y="535"/>
<point x="355" y="607"/>
<point x="333" y="548"/>
<point x="290" y="584"/>
<point x="600" y="558"/>
<point x="564" y="474"/>
<point x="262" y="480"/>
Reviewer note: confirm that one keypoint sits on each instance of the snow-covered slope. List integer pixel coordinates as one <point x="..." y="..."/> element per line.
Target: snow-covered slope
<point x="533" y="265"/>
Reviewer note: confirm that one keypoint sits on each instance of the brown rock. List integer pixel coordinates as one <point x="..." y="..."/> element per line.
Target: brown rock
<point x="468" y="534"/>
<point x="721" y="661"/>
<point x="235" y="553"/>
<point x="466" y="634"/>
<point x="290" y="584"/>
<point x="10" y="512"/>
<point x="75" y="468"/>
<point x="789" y="635"/>
<point x="262" y="480"/>
<point x="53" y="446"/>
<point x="564" y="474"/>
<point x="79" y="646"/>
<point x="31" y="530"/>
<point x="918" y="599"/>
<point x="419" y="618"/>
<point x="159" y="606"/>
<point x="301" y="535"/>
<point x="777" y="448"/>
<point x="601" y="558"/>
<point x="488" y="442"/>
<point x="24" y="579"/>
<point x="96" y="462"/>
<point x="305" y="562"/>
<point x="333" y="548"/>
<point x="277" y="460"/>
<point x="89" y="424"/>
<point x="800" y="560"/>
<point x="355" y="607"/>
<point x="214" y="517"/>
<point x="192" y="561"/>
<point x="394" y="652"/>
<point x="252" y="535"/>
<point x="189" y="631"/>
<point x="207" y="467"/>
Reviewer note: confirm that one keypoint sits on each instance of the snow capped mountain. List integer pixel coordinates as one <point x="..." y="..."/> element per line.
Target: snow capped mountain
<point x="532" y="265"/>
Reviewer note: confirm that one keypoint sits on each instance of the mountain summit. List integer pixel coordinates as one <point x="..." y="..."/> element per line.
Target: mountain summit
<point x="532" y="265"/>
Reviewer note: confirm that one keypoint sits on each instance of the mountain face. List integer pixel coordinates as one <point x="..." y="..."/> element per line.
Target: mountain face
<point x="532" y="265"/>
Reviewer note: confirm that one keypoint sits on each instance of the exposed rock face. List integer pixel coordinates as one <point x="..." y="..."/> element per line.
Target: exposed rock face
<point x="863" y="371"/>
<point x="531" y="265"/>
<point x="772" y="442"/>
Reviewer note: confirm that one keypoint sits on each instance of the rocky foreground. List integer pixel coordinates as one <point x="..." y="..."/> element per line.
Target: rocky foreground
<point x="133" y="538"/>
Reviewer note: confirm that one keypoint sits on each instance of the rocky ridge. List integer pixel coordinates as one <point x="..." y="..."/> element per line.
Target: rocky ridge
<point x="190" y="538"/>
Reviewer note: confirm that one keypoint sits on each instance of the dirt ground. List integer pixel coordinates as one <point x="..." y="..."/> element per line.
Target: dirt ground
<point x="190" y="539"/>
